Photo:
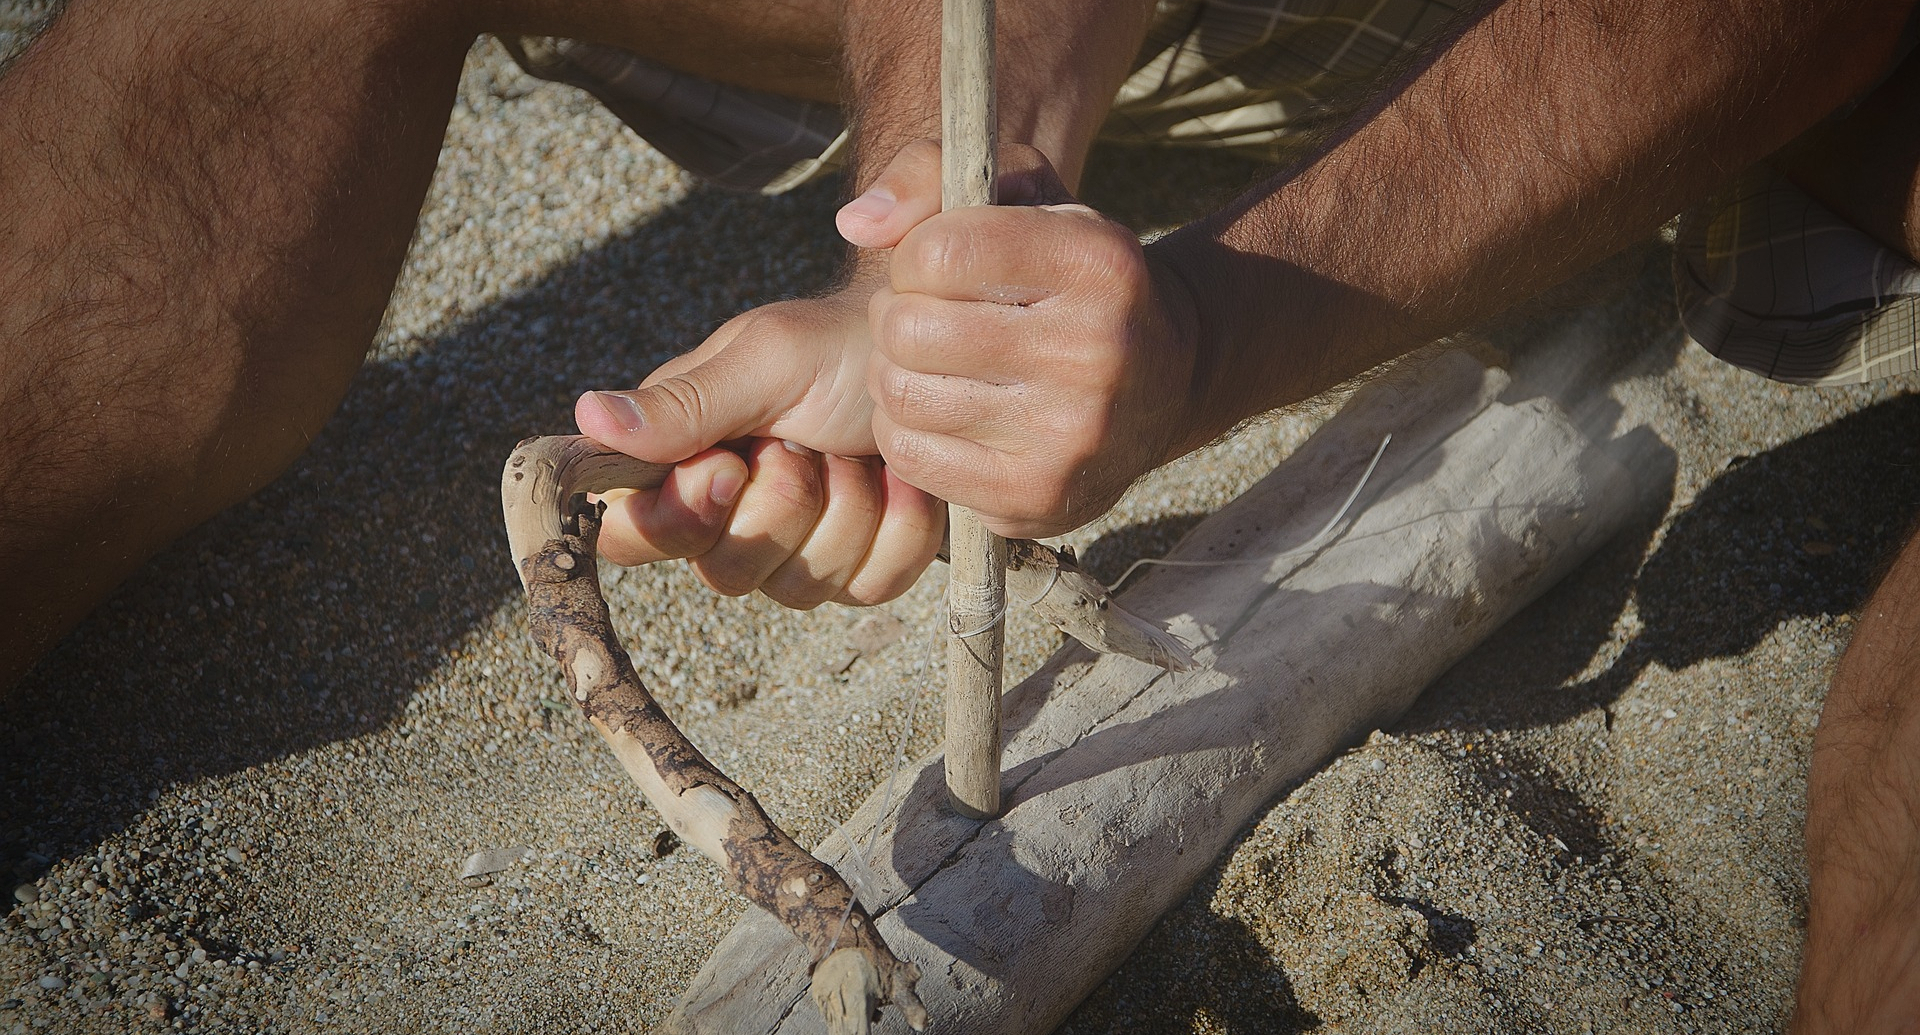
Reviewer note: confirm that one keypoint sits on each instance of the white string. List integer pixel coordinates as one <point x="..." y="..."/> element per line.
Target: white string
<point x="1311" y="544"/>
<point x="1053" y="577"/>
<point x="991" y="621"/>
<point x="1052" y="580"/>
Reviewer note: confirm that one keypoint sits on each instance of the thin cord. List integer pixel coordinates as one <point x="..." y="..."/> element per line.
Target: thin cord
<point x="1313" y="543"/>
<point x="1052" y="581"/>
<point x="863" y="867"/>
<point x="863" y="874"/>
<point x="999" y="615"/>
<point x="992" y="620"/>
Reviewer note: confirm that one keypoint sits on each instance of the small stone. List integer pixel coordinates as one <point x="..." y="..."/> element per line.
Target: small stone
<point x="1376" y="766"/>
<point x="493" y="860"/>
<point x="875" y="632"/>
<point x="52" y="982"/>
<point x="26" y="894"/>
<point x="1669" y="714"/>
<point x="234" y="855"/>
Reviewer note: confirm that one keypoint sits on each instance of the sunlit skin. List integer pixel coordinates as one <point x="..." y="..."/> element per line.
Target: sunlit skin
<point x="209" y="202"/>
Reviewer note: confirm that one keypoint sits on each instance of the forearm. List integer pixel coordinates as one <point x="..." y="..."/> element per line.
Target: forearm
<point x="1538" y="138"/>
<point x="1060" y="64"/>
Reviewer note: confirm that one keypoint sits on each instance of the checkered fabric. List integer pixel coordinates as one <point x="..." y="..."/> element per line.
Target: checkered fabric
<point x="1770" y="280"/>
<point x="1767" y="279"/>
<point x="1211" y="74"/>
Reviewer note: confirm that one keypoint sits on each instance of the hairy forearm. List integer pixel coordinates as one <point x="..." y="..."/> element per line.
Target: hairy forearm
<point x="1538" y="137"/>
<point x="1060" y="63"/>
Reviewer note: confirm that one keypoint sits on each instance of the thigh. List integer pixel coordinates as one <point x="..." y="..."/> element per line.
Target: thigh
<point x="790" y="48"/>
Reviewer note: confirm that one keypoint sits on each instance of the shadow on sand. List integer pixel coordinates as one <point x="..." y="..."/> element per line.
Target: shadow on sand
<point x="311" y="613"/>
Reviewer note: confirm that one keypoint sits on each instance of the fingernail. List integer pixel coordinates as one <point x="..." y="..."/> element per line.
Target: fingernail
<point x="726" y="486"/>
<point x="798" y="449"/>
<point x="874" y="206"/>
<point x="621" y="409"/>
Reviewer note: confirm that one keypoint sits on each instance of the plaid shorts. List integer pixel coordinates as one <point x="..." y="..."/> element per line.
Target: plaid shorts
<point x="1766" y="278"/>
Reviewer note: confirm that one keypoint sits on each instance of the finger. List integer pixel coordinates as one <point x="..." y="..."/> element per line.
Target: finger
<point x="965" y="473"/>
<point x="820" y="570"/>
<point x="733" y="392"/>
<point x="948" y="404"/>
<point x="907" y="192"/>
<point x="1027" y="177"/>
<point x="776" y="512"/>
<point x="681" y="518"/>
<point x="936" y="335"/>
<point x="912" y="523"/>
<point x="1014" y="256"/>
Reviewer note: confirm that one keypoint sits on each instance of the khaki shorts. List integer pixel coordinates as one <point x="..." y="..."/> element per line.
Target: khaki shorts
<point x="1765" y="277"/>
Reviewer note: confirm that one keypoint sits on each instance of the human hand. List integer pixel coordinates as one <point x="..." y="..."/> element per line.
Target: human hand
<point x="1029" y="362"/>
<point x="796" y="504"/>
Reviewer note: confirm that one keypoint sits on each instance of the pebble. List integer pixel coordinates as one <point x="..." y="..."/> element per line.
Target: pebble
<point x="26" y="894"/>
<point x="52" y="982"/>
<point x="494" y="860"/>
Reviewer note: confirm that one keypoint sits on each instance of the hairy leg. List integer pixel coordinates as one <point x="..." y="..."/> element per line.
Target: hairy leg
<point x="1866" y="167"/>
<point x="1861" y="969"/>
<point x="207" y="206"/>
<point x="789" y="47"/>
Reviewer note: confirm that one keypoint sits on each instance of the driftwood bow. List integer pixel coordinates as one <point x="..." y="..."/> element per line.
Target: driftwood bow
<point x="552" y="531"/>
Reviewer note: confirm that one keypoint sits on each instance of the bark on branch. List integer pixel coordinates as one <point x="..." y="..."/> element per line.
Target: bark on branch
<point x="552" y="531"/>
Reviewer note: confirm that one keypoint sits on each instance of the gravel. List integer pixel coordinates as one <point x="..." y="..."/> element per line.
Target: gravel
<point x="240" y="797"/>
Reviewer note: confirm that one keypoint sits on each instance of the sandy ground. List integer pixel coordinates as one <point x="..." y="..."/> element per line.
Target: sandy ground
<point x="239" y="797"/>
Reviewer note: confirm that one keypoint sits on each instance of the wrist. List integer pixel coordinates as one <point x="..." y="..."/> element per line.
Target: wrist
<point x="1222" y="304"/>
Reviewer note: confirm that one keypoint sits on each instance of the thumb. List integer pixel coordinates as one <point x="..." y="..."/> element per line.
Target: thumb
<point x="905" y="195"/>
<point x="680" y="415"/>
<point x="907" y="192"/>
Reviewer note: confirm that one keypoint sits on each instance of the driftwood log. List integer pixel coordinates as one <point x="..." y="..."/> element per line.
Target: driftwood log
<point x="552" y="531"/>
<point x="1125" y="783"/>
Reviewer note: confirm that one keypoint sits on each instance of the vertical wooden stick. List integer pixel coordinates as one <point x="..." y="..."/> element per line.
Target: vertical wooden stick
<point x="977" y="590"/>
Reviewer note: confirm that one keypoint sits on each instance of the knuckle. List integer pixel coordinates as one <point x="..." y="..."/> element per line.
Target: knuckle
<point x="942" y="249"/>
<point x="795" y="487"/>
<point x="682" y="397"/>
<point x="777" y="322"/>
<point x="905" y="452"/>
<point x="1044" y="499"/>
<point x="724" y="578"/>
<point x="1109" y="258"/>
<point x="867" y="591"/>
<point x="796" y="593"/>
<point x="899" y="327"/>
<point x="619" y="551"/>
